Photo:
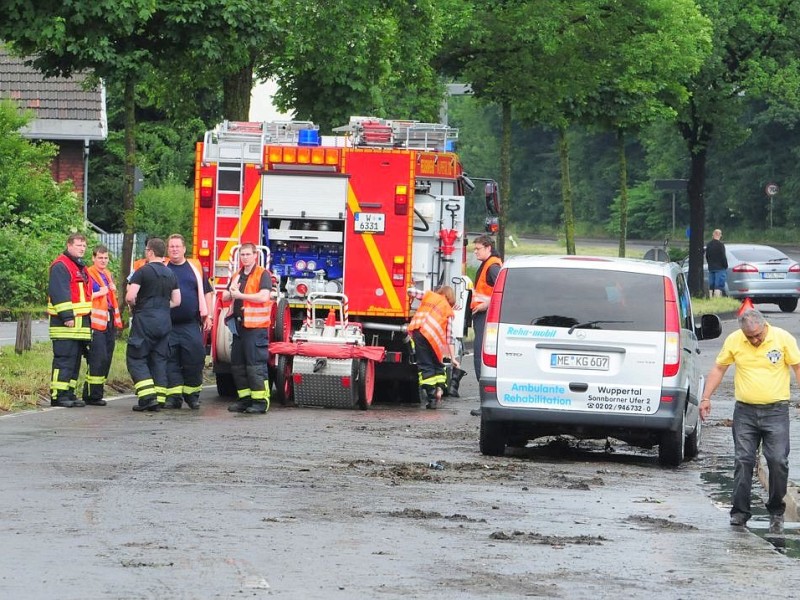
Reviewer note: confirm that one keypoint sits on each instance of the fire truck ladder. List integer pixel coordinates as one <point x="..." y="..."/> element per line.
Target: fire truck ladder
<point x="412" y="135"/>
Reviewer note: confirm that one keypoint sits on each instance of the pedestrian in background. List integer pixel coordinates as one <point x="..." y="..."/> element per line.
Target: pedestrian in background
<point x="106" y="321"/>
<point x="763" y="355"/>
<point x="249" y="321"/>
<point x="69" y="304"/>
<point x="485" y="278"/>
<point x="190" y="320"/>
<point x="152" y="292"/>
<point x="717" y="264"/>
<point x="431" y="330"/>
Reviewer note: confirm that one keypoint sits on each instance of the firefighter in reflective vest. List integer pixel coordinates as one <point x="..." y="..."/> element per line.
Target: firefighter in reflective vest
<point x="431" y="331"/>
<point x="190" y="320"/>
<point x="249" y="322"/>
<point x="106" y="321"/>
<point x="152" y="292"/>
<point x="489" y="269"/>
<point x="69" y="305"/>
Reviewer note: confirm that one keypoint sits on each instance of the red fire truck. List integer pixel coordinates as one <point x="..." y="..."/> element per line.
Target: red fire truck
<point x="361" y="215"/>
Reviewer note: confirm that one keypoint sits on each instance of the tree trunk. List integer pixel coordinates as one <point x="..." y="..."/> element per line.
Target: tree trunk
<point x="128" y="198"/>
<point x="623" y="192"/>
<point x="566" y="190"/>
<point x="505" y="176"/>
<point x="237" y="88"/>
<point x="23" y="343"/>
<point x="697" y="217"/>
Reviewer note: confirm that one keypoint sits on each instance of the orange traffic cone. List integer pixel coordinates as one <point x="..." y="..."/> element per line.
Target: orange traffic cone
<point x="330" y="321"/>
<point x="747" y="304"/>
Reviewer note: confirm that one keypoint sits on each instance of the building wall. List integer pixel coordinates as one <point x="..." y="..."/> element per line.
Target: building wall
<point x="68" y="164"/>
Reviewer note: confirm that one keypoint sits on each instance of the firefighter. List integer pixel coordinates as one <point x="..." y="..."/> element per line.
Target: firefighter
<point x="106" y="321"/>
<point x="489" y="269"/>
<point x="190" y="320"/>
<point x="250" y="291"/>
<point x="69" y="305"/>
<point x="152" y="292"/>
<point x="431" y="331"/>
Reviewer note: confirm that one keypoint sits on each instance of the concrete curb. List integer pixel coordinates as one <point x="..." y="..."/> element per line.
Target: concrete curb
<point x="792" y="497"/>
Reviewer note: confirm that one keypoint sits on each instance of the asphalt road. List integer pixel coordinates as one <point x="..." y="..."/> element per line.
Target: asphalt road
<point x="102" y="502"/>
<point x="8" y="332"/>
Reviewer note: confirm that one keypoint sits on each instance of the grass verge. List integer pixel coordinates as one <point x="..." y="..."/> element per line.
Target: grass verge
<point x="25" y="378"/>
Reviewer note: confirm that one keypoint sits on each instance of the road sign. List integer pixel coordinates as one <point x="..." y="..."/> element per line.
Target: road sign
<point x="771" y="189"/>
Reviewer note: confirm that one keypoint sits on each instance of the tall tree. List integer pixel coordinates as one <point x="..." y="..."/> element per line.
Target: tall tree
<point x="359" y="57"/>
<point x="754" y="56"/>
<point x="652" y="48"/>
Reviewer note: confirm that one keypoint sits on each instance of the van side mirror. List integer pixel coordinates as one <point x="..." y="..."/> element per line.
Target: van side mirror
<point x="710" y="327"/>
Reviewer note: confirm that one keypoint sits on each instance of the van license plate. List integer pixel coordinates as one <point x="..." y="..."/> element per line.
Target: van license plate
<point x="579" y="361"/>
<point x="772" y="275"/>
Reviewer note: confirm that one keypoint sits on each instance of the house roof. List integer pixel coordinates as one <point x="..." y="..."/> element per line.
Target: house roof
<point x="62" y="108"/>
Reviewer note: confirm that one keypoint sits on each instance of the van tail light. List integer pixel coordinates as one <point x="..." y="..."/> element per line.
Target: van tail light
<point x="492" y="328"/>
<point x="672" y="341"/>
<point x="795" y="268"/>
<point x="744" y="268"/>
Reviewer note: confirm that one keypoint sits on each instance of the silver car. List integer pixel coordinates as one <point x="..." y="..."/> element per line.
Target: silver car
<point x="764" y="274"/>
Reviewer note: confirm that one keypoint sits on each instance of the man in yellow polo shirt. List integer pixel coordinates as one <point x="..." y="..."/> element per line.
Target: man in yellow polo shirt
<point x="763" y="355"/>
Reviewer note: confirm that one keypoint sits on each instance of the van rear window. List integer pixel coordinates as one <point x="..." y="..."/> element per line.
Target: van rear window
<point x="616" y="300"/>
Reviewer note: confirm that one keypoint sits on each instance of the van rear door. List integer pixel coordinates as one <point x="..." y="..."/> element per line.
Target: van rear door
<point x="582" y="340"/>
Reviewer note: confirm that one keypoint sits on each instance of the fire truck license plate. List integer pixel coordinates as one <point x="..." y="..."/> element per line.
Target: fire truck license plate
<point x="370" y="222"/>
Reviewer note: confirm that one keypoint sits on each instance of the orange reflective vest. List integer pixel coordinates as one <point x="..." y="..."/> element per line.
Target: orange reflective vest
<point x="432" y="320"/>
<point x="101" y="305"/>
<point x="483" y="291"/>
<point x="255" y="314"/>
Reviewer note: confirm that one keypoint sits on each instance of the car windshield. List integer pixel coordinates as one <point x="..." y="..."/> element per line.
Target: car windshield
<point x="583" y="299"/>
<point x="763" y="254"/>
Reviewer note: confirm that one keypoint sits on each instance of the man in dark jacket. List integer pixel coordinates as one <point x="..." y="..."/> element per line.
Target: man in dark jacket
<point x="717" y="264"/>
<point x="69" y="304"/>
<point x="152" y="292"/>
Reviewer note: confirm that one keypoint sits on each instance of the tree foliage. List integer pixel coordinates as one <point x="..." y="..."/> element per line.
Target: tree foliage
<point x="362" y="57"/>
<point x="36" y="214"/>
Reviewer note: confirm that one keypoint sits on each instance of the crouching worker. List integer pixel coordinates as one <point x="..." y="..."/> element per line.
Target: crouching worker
<point x="431" y="331"/>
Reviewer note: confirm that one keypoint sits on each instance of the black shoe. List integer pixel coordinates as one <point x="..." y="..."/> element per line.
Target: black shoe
<point x="77" y="402"/>
<point x="172" y="403"/>
<point x="738" y="520"/>
<point x="90" y="402"/>
<point x="776" y="524"/>
<point x="151" y="405"/>
<point x="62" y="402"/>
<point x="193" y="404"/>
<point x="257" y="408"/>
<point x="240" y="406"/>
<point x="475" y="412"/>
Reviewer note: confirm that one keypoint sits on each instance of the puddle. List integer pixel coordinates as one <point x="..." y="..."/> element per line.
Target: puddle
<point x="720" y="483"/>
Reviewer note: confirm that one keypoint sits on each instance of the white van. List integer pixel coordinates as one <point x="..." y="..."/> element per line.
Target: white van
<point x="593" y="347"/>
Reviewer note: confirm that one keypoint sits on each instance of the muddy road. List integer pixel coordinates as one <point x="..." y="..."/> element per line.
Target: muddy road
<point x="315" y="503"/>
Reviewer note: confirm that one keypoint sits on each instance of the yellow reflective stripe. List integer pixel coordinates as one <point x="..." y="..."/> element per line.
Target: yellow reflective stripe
<point x="375" y="255"/>
<point x="161" y="390"/>
<point x="60" y="307"/>
<point x="143" y="383"/>
<point x="95" y="379"/>
<point x="173" y="391"/>
<point x="243" y="393"/>
<point x="433" y="380"/>
<point x="188" y="389"/>
<point x="70" y="333"/>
